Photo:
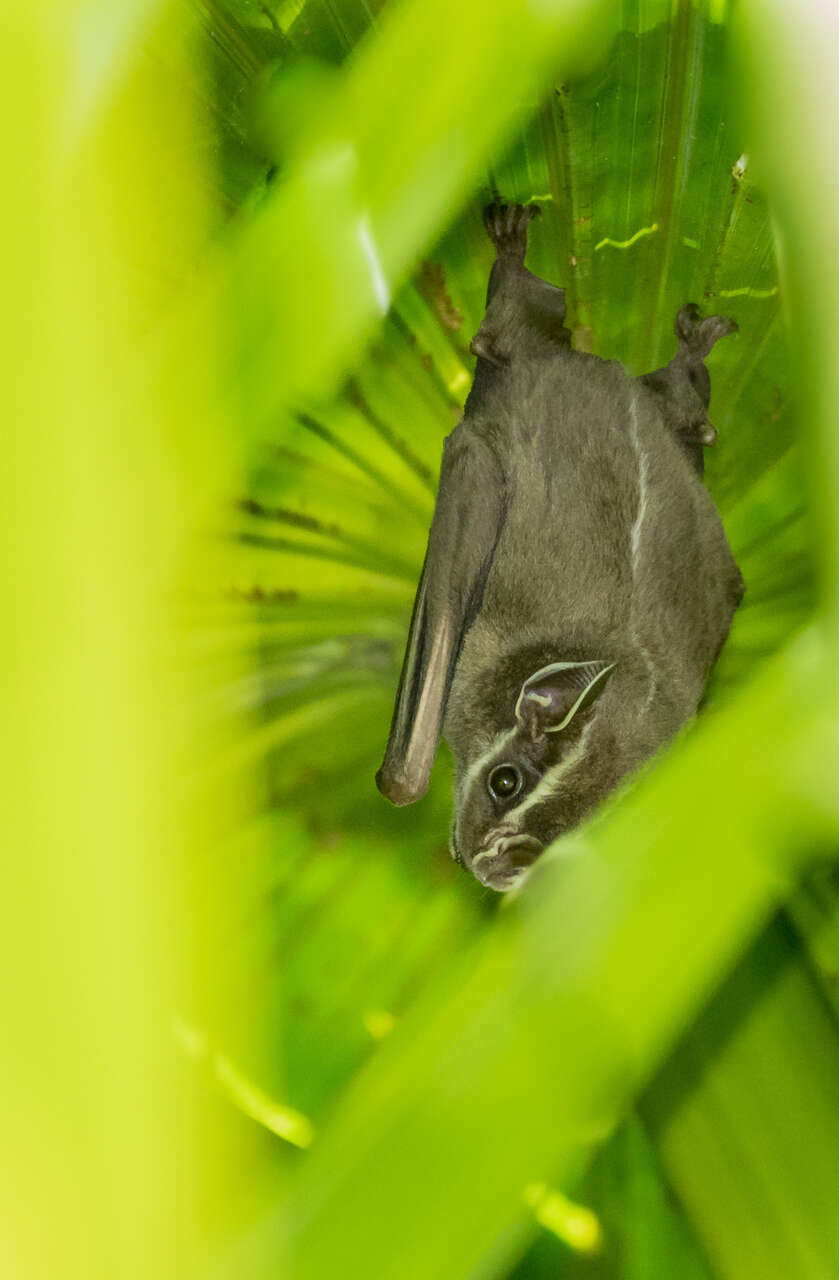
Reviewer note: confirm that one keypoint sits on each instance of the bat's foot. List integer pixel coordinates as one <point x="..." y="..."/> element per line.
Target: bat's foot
<point x="683" y="386"/>
<point x="522" y="309"/>
<point x="507" y="225"/>
<point x="698" y="336"/>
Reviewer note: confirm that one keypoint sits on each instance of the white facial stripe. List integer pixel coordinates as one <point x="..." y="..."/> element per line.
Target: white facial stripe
<point x="548" y="783"/>
<point x="480" y="764"/>
<point x="545" y="787"/>
<point x="474" y="771"/>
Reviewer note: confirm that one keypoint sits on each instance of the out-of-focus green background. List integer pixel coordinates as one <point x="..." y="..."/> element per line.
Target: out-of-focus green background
<point x="255" y="1022"/>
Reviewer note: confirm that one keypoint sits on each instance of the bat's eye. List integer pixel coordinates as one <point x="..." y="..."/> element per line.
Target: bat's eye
<point x="504" y="782"/>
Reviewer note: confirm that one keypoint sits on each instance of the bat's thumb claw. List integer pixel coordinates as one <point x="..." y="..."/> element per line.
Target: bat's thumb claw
<point x="397" y="788"/>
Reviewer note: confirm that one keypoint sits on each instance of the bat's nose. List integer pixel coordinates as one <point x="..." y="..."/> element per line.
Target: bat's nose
<point x="520" y="851"/>
<point x="502" y="865"/>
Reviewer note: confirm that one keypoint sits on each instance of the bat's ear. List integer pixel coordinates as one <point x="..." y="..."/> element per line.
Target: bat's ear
<point x="552" y="696"/>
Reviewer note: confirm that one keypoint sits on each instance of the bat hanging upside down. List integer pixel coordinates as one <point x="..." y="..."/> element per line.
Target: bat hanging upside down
<point x="577" y="587"/>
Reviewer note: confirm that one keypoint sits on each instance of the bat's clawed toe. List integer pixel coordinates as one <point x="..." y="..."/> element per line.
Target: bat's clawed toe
<point x="507" y="227"/>
<point x="700" y="335"/>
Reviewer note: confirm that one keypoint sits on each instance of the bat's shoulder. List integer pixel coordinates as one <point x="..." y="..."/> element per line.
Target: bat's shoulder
<point x="474" y="449"/>
<point x="473" y="434"/>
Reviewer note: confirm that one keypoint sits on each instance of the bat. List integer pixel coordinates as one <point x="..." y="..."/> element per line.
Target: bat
<point x="577" y="586"/>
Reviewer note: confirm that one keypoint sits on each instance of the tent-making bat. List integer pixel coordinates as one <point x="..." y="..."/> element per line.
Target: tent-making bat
<point x="577" y="587"/>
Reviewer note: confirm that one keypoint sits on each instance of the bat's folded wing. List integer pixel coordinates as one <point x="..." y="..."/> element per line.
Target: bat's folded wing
<point x="467" y="521"/>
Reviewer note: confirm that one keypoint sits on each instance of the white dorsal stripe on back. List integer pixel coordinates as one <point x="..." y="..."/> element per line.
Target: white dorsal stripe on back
<point x="643" y="475"/>
<point x="636" y="539"/>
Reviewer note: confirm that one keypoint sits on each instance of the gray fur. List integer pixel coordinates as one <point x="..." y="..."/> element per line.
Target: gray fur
<point x="571" y="526"/>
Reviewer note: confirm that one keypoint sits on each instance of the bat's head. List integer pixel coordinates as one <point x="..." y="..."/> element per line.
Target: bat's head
<point x="535" y="778"/>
